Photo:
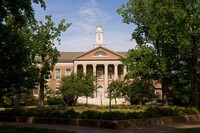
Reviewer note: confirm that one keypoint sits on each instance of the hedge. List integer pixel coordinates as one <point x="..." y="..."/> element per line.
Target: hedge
<point x="149" y="112"/>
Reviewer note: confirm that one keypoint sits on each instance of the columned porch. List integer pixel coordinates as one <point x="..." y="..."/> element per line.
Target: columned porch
<point x="105" y="72"/>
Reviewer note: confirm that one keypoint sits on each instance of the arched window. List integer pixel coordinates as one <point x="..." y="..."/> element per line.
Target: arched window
<point x="99" y="73"/>
<point x="100" y="53"/>
<point x="57" y="74"/>
<point x="68" y="71"/>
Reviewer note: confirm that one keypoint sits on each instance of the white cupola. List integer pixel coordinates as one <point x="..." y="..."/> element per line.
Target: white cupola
<point x="99" y="37"/>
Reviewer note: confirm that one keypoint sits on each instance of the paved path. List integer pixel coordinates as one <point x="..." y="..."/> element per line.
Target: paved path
<point x="150" y="129"/>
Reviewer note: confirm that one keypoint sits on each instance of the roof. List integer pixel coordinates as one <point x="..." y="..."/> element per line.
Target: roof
<point x="70" y="56"/>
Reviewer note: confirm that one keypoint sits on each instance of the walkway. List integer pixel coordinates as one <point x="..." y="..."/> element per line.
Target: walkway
<point x="151" y="129"/>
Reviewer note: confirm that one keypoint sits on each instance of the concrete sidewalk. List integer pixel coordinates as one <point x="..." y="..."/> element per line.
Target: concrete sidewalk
<point x="148" y="129"/>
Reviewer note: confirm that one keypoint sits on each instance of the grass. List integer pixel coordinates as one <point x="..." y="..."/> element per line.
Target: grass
<point x="189" y="130"/>
<point x="18" y="129"/>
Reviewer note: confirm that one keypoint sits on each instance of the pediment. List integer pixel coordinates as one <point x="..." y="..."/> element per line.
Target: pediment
<point x="99" y="53"/>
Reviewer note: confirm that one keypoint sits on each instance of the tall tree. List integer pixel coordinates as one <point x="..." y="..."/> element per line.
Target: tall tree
<point x="172" y="27"/>
<point x="45" y="36"/>
<point x="14" y="43"/>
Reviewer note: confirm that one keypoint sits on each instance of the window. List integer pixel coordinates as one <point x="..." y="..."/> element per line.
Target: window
<point x="99" y="73"/>
<point x="35" y="91"/>
<point x="68" y="71"/>
<point x="110" y="72"/>
<point x="100" y="53"/>
<point x="57" y="74"/>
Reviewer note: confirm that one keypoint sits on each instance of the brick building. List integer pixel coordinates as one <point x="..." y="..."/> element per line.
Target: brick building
<point x="103" y="62"/>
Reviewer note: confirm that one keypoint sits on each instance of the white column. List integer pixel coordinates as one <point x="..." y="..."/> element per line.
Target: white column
<point x="75" y="68"/>
<point x="116" y="72"/>
<point x="95" y="81"/>
<point x="105" y="77"/>
<point x="94" y="69"/>
<point x="84" y="68"/>
<point x="125" y="71"/>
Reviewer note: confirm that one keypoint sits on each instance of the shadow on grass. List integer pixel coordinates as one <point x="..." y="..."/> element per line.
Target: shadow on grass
<point x="18" y="129"/>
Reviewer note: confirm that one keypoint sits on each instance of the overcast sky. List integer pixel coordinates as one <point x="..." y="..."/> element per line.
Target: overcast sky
<point x="85" y="15"/>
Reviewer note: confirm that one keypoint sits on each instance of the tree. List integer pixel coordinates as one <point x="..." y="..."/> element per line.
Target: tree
<point x="115" y="89"/>
<point x="139" y="91"/>
<point x="87" y="85"/>
<point x="14" y="45"/>
<point x="44" y="36"/>
<point x="76" y="85"/>
<point x="171" y="26"/>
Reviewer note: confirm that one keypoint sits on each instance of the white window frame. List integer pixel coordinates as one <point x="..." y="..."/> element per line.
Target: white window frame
<point x="68" y="73"/>
<point x="57" y="75"/>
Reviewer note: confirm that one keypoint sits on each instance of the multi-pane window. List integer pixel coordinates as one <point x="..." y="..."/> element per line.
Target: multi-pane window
<point x="110" y="72"/>
<point x="68" y="71"/>
<point x="99" y="73"/>
<point x="57" y="74"/>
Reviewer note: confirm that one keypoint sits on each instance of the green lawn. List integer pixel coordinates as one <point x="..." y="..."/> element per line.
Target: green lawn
<point x="18" y="129"/>
<point x="189" y="130"/>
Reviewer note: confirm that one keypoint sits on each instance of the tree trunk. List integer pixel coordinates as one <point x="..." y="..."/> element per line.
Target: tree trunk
<point x="164" y="90"/>
<point x="86" y="101"/>
<point x="42" y="82"/>
<point x="41" y="96"/>
<point x="16" y="100"/>
<point x="115" y="100"/>
<point x="195" y="93"/>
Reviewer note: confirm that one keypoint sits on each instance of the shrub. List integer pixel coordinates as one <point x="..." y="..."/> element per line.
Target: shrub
<point x="91" y="114"/>
<point x="71" y="113"/>
<point x="54" y="101"/>
<point x="152" y="111"/>
<point x="114" y="115"/>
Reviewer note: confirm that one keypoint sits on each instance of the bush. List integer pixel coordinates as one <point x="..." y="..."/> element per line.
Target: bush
<point x="91" y="114"/>
<point x="152" y="111"/>
<point x="54" y="101"/>
<point x="71" y="113"/>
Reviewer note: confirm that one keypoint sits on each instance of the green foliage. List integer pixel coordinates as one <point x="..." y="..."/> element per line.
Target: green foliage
<point x="54" y="101"/>
<point x="70" y="114"/>
<point x="172" y="28"/>
<point x="76" y="85"/>
<point x="139" y="91"/>
<point x="146" y="112"/>
<point x="15" y="45"/>
<point x="115" y="88"/>
<point x="91" y="114"/>
<point x="44" y="36"/>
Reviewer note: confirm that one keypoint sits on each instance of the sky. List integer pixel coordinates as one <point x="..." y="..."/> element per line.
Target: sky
<point x="85" y="15"/>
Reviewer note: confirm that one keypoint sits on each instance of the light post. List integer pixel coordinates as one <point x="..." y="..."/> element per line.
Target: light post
<point x="110" y="96"/>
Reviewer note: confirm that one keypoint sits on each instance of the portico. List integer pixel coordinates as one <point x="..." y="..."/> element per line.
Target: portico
<point x="105" y="71"/>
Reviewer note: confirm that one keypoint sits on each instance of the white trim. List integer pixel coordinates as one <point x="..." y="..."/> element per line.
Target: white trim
<point x="97" y="62"/>
<point x="64" y="64"/>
